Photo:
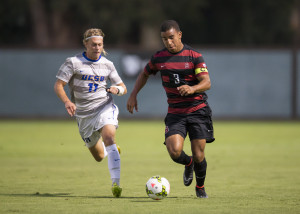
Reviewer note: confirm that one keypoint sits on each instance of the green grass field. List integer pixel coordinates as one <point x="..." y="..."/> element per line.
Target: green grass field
<point x="253" y="167"/>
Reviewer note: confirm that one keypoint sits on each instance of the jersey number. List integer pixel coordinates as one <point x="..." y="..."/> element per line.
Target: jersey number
<point x="176" y="77"/>
<point x="93" y="87"/>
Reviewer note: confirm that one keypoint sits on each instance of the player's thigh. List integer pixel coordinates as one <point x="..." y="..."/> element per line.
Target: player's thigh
<point x="175" y="133"/>
<point x="200" y="127"/>
<point x="109" y="124"/>
<point x="175" y="125"/>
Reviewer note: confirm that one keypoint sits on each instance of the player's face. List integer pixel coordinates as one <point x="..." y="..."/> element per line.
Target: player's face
<point x="94" y="48"/>
<point x="172" y="40"/>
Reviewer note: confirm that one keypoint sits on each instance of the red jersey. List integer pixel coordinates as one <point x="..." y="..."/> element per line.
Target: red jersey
<point x="178" y="69"/>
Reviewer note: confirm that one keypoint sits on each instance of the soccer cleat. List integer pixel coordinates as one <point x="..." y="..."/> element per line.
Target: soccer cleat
<point x="188" y="174"/>
<point x="200" y="192"/>
<point x="116" y="190"/>
<point x="119" y="149"/>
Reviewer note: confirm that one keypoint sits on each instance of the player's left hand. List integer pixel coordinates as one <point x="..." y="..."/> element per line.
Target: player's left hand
<point x="185" y="90"/>
<point x="132" y="104"/>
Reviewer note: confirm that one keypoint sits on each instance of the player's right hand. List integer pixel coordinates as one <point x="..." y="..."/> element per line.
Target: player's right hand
<point x="71" y="108"/>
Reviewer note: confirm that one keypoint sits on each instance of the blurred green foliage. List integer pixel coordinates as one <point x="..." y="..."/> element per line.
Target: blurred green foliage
<point x="206" y="22"/>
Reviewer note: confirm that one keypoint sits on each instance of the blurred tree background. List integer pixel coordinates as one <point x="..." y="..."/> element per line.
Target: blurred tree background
<point x="135" y="23"/>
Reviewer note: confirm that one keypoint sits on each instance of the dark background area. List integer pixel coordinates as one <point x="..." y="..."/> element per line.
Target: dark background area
<point x="131" y="23"/>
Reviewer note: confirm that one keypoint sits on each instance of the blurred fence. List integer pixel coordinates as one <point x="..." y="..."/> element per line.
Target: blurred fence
<point x="245" y="83"/>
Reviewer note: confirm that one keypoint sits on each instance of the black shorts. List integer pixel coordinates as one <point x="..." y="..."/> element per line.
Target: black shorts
<point x="196" y="124"/>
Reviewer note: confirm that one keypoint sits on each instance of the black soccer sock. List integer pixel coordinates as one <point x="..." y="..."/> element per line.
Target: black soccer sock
<point x="200" y="172"/>
<point x="183" y="159"/>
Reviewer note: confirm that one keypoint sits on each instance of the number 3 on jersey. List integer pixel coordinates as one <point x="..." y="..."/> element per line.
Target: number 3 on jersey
<point x="93" y="87"/>
<point x="176" y="78"/>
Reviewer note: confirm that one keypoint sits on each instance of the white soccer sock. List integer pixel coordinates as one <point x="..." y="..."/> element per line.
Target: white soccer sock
<point x="104" y="148"/>
<point x="114" y="163"/>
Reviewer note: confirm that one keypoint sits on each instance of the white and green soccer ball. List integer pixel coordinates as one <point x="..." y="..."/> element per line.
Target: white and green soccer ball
<point x="157" y="187"/>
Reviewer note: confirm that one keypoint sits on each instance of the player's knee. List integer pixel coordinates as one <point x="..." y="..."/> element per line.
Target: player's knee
<point x="108" y="140"/>
<point x="174" y="152"/>
<point x="198" y="154"/>
<point x="198" y="157"/>
<point x="174" y="155"/>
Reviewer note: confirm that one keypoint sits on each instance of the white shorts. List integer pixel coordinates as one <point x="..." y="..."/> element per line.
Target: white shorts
<point x="89" y="126"/>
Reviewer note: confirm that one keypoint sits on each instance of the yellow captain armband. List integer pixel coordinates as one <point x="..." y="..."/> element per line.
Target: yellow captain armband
<point x="200" y="70"/>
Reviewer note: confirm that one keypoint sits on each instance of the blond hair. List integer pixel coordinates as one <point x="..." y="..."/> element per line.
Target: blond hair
<point x="93" y="32"/>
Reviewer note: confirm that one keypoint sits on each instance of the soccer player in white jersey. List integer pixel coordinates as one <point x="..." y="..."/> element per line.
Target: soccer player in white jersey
<point x="91" y="101"/>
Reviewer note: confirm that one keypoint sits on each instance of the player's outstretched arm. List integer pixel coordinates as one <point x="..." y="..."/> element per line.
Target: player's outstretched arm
<point x="139" y="84"/>
<point x="60" y="92"/>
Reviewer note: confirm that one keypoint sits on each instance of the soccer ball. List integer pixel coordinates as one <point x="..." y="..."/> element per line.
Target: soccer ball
<point x="157" y="187"/>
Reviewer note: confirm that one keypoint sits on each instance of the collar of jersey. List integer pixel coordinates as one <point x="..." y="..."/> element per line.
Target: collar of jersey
<point x="91" y="60"/>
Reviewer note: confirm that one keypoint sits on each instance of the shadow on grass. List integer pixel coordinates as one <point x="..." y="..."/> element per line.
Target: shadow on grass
<point x="68" y="195"/>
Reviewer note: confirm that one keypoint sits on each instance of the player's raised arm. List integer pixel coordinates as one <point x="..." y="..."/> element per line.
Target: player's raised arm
<point x="139" y="84"/>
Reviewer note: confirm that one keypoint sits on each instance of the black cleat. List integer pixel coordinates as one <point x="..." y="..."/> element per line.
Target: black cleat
<point x="200" y="192"/>
<point x="188" y="174"/>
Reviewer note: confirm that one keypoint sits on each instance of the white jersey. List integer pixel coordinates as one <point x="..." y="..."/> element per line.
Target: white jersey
<point x="87" y="80"/>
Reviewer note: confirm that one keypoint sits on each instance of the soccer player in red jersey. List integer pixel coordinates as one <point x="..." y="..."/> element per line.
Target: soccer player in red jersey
<point x="185" y="79"/>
